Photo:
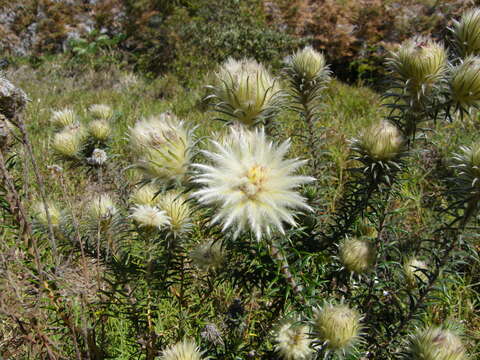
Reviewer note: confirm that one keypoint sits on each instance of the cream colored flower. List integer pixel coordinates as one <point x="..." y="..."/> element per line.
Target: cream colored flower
<point x="163" y="147"/>
<point x="436" y="344"/>
<point x="185" y="350"/>
<point x="293" y="342"/>
<point x="101" y="111"/>
<point x="246" y="91"/>
<point x="338" y="326"/>
<point x="145" y="195"/>
<point x="64" y="117"/>
<point x="101" y="207"/>
<point x="150" y="216"/>
<point x="251" y="183"/>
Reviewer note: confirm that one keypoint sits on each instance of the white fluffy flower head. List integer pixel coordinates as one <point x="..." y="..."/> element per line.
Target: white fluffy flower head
<point x="293" y="342"/>
<point x="150" y="216"/>
<point x="251" y="183"/>
<point x="185" y="350"/>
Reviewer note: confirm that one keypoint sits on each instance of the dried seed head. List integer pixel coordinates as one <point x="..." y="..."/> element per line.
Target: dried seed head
<point x="100" y="129"/>
<point x="466" y="33"/>
<point x="420" y="63"/>
<point x="357" y="255"/>
<point x="465" y="83"/>
<point x="246" y="91"/>
<point x="309" y="64"/>
<point x="41" y="215"/>
<point x="338" y="326"/>
<point x="178" y="210"/>
<point x="63" y="118"/>
<point x="185" y="350"/>
<point x="414" y="271"/>
<point x="208" y="255"/>
<point x="381" y="141"/>
<point x="293" y="342"/>
<point x="101" y="111"/>
<point x="99" y="157"/>
<point x="68" y="142"/>
<point x="436" y="344"/>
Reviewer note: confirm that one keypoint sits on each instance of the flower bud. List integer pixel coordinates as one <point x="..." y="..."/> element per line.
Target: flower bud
<point x="468" y="164"/>
<point x="357" y="255"/>
<point x="68" y="142"/>
<point x="208" y="255"/>
<point x="414" y="271"/>
<point x="101" y="111"/>
<point x="419" y="62"/>
<point x="465" y="83"/>
<point x="292" y="341"/>
<point x="163" y="146"/>
<point x="309" y="64"/>
<point x="99" y="129"/>
<point x="467" y="33"/>
<point x="338" y="326"/>
<point x="178" y="210"/>
<point x="101" y="207"/>
<point x="436" y="344"/>
<point x="63" y="118"/>
<point x="245" y="91"/>
<point x="381" y="141"/>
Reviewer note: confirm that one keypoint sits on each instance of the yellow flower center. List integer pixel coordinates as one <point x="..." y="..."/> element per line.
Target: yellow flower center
<point x="252" y="182"/>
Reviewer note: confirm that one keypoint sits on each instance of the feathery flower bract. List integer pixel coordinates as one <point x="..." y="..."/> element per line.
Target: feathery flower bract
<point x="293" y="342"/>
<point x="163" y="146"/>
<point x="246" y="91"/>
<point x="338" y="326"/>
<point x="150" y="216"/>
<point x="251" y="183"/>
<point x="467" y="33"/>
<point x="309" y="64"/>
<point x="101" y="111"/>
<point x="435" y="343"/>
<point x="185" y="350"/>
<point x="64" y="117"/>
